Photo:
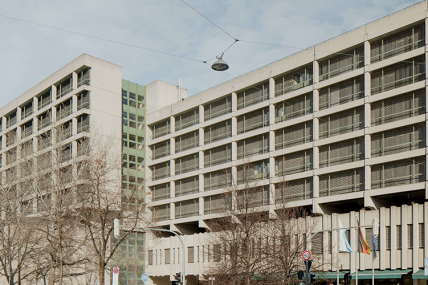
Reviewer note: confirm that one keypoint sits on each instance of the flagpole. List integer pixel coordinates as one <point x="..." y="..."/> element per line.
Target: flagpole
<point x="357" y="260"/>
<point x="338" y="250"/>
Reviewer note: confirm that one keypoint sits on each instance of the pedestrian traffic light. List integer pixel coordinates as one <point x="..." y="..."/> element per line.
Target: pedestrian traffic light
<point x="311" y="278"/>
<point x="300" y="274"/>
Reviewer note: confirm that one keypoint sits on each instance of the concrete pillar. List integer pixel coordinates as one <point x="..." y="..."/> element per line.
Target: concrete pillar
<point x="415" y="221"/>
<point x="35" y="104"/>
<point x="367" y="54"/>
<point x="271" y="167"/>
<point x="201" y="183"/>
<point x="271" y="114"/>
<point x="271" y="141"/>
<point x="201" y="207"/>
<point x="172" y="210"/>
<point x="382" y="236"/>
<point x="234" y="126"/>
<point x="234" y="151"/>
<point x="172" y="124"/>
<point x="74" y="81"/>
<point x="18" y="114"/>
<point x="172" y="145"/>
<point x="172" y="167"/>
<point x="404" y="244"/>
<point x="393" y="225"/>
<point x="53" y="93"/>
<point x="234" y="102"/>
<point x="201" y="159"/>
<point x="315" y="66"/>
<point x="201" y="114"/>
<point x="201" y="137"/>
<point x="271" y="88"/>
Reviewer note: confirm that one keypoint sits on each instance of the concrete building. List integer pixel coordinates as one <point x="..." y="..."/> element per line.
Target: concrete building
<point x="343" y="122"/>
<point x="87" y="97"/>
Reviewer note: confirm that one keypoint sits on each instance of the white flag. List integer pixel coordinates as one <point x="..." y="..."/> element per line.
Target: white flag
<point x="343" y="241"/>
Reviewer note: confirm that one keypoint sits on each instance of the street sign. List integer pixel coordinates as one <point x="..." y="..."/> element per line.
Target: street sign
<point x="211" y="278"/>
<point x="144" y="277"/>
<point x="115" y="275"/>
<point x="306" y="255"/>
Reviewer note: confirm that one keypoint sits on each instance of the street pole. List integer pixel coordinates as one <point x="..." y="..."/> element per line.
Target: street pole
<point x="182" y="244"/>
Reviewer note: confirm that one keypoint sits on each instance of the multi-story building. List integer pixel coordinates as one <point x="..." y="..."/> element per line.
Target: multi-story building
<point x="343" y="123"/>
<point x="87" y="98"/>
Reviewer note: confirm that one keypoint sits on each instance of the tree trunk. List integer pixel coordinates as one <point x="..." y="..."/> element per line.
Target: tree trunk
<point x="101" y="272"/>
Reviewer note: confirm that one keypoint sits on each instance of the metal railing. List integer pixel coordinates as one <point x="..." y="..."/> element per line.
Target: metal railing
<point x="338" y="71"/>
<point x="398" y="83"/>
<point x="342" y="100"/>
<point x="258" y="125"/>
<point x="384" y="55"/>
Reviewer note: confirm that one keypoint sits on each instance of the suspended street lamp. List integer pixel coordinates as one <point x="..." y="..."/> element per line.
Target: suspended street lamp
<point x="220" y="64"/>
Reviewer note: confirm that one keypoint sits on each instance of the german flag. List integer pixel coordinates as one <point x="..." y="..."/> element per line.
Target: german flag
<point x="362" y="241"/>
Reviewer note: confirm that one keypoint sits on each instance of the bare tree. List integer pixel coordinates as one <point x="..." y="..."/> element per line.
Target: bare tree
<point x="236" y="252"/>
<point x="103" y="197"/>
<point x="18" y="236"/>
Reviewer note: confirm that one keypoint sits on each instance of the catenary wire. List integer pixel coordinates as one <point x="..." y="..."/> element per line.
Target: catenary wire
<point x="209" y="20"/>
<point x="102" y="39"/>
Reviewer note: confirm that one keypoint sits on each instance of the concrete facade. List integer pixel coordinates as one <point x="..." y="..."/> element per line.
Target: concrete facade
<point x="330" y="121"/>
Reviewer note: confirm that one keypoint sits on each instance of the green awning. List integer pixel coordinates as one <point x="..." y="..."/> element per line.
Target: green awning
<point x="380" y="274"/>
<point x="419" y="275"/>
<point x="330" y="274"/>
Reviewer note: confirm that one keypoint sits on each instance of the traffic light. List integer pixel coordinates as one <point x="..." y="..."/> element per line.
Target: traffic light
<point x="300" y="274"/>
<point x="178" y="278"/>
<point x="311" y="278"/>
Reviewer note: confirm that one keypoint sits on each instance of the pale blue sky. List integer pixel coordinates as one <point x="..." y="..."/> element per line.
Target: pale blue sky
<point x="30" y="53"/>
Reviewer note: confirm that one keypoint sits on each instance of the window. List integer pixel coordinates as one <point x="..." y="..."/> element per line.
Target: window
<point x="421" y="235"/>
<point x="190" y="254"/>
<point x="216" y="253"/>
<point x="45" y="120"/>
<point x="83" y="123"/>
<point x="63" y="110"/>
<point x="44" y="99"/>
<point x="26" y="109"/>
<point x="388" y="237"/>
<point x="64" y="87"/>
<point x="167" y="253"/>
<point x="399" y="237"/>
<point x="10" y="119"/>
<point x="27" y="129"/>
<point x="150" y="257"/>
<point x="83" y="77"/>
<point x="409" y="236"/>
<point x="83" y="101"/>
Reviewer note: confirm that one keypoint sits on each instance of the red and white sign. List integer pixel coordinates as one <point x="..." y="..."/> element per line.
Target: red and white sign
<point x="306" y="255"/>
<point x="115" y="275"/>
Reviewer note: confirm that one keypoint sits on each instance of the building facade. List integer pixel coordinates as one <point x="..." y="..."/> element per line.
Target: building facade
<point x="84" y="99"/>
<point x="342" y="123"/>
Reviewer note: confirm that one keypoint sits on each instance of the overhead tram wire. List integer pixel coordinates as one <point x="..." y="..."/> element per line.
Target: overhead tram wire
<point x="270" y="44"/>
<point x="210" y="21"/>
<point x="104" y="39"/>
<point x="175" y="55"/>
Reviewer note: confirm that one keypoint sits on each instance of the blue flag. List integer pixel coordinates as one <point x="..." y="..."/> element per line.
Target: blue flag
<point x="374" y="247"/>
